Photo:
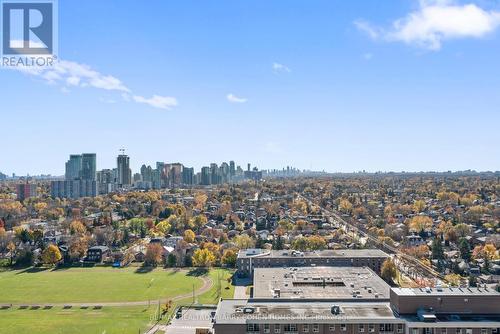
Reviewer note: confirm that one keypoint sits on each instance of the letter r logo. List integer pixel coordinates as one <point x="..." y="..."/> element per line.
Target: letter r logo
<point x="27" y="28"/>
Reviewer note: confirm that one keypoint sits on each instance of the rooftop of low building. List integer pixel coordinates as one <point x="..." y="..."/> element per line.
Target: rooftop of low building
<point x="448" y="291"/>
<point x="341" y="253"/>
<point x="325" y="283"/>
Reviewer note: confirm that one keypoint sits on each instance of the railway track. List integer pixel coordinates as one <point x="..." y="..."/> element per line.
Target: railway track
<point x="404" y="261"/>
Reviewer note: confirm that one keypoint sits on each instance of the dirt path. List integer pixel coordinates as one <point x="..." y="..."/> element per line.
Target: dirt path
<point x="207" y="285"/>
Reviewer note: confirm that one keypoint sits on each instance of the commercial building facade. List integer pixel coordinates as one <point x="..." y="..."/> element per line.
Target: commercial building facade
<point x="426" y="311"/>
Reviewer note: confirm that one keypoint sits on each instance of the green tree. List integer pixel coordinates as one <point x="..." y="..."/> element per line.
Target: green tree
<point x="300" y="244"/>
<point x="437" y="249"/>
<point x="464" y="247"/>
<point x="278" y="243"/>
<point x="172" y="260"/>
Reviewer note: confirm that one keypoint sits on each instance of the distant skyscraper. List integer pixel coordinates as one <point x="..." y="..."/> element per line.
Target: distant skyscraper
<point x="159" y="180"/>
<point x="73" y="167"/>
<point x="188" y="176"/>
<point x="175" y="174"/>
<point x="124" y="172"/>
<point x="80" y="178"/>
<point x="105" y="181"/>
<point x="224" y="172"/>
<point x="88" y="166"/>
<point x="214" y="174"/>
<point x="205" y="176"/>
<point x="232" y="168"/>
<point x="147" y="173"/>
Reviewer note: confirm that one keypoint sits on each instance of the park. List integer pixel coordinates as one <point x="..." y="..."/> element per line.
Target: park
<point x="103" y="299"/>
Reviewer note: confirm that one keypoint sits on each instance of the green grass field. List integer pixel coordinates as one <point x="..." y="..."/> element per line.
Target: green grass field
<point x="111" y="320"/>
<point x="226" y="288"/>
<point x="99" y="284"/>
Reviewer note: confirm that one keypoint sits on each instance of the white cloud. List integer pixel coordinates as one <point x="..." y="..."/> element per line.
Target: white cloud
<point x="161" y="102"/>
<point x="277" y="67"/>
<point x="73" y="81"/>
<point x="436" y="21"/>
<point x="367" y="28"/>
<point x="235" y="99"/>
<point x="72" y="74"/>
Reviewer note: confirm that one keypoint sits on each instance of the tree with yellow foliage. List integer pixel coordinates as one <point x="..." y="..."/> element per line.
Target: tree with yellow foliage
<point x="243" y="241"/>
<point x="214" y="248"/>
<point x="162" y="227"/>
<point x="345" y="206"/>
<point x="203" y="258"/>
<point x="40" y="206"/>
<point x="229" y="258"/>
<point x="453" y="279"/>
<point x="77" y="227"/>
<point x="200" y="199"/>
<point x="420" y="223"/>
<point x="11" y="247"/>
<point x="189" y="236"/>
<point x="199" y="221"/>
<point x="419" y="206"/>
<point x="51" y="255"/>
<point x="388" y="271"/>
<point x="487" y="252"/>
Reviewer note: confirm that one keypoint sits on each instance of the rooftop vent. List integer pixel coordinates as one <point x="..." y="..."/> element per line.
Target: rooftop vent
<point x="335" y="310"/>
<point x="249" y="310"/>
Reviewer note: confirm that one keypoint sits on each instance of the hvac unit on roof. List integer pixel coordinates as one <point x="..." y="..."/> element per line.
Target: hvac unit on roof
<point x="335" y="310"/>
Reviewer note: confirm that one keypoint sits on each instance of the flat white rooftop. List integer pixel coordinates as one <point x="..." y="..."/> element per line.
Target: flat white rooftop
<point x="319" y="283"/>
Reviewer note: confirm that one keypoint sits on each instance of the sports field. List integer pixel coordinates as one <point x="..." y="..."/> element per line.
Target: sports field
<point x="99" y="284"/>
<point x="110" y="320"/>
<point x="121" y="288"/>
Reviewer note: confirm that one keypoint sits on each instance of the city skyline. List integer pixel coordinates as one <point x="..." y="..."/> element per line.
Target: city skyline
<point x="339" y="86"/>
<point x="243" y="165"/>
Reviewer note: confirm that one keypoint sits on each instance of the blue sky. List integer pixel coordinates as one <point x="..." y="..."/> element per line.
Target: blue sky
<point x="334" y="85"/>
